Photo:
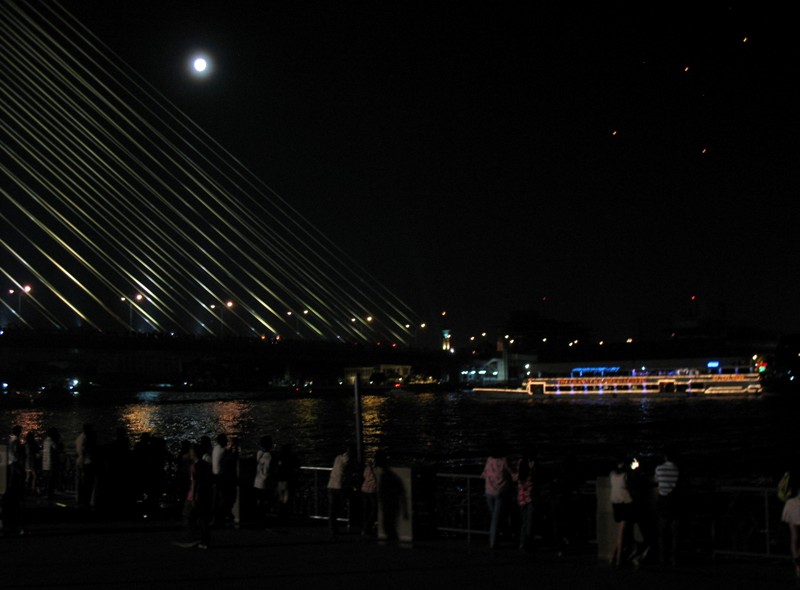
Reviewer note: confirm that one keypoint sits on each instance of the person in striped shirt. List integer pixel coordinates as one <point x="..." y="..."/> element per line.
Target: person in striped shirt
<point x="668" y="478"/>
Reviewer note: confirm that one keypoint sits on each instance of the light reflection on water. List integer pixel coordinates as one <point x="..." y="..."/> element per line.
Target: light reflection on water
<point x="29" y="420"/>
<point x="138" y="419"/>
<point x="727" y="437"/>
<point x="372" y="420"/>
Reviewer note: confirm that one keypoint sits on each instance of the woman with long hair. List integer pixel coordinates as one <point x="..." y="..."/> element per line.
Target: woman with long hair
<point x="622" y="506"/>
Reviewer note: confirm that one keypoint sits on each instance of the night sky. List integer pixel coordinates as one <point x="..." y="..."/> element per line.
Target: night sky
<point x="479" y="157"/>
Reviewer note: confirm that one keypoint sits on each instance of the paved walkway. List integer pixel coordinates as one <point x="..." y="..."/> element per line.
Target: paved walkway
<point x="60" y="550"/>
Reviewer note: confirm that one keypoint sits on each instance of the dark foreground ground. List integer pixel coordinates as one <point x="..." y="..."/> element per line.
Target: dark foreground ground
<point x="62" y="550"/>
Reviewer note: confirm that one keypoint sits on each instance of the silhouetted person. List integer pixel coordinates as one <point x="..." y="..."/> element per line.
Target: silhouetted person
<point x="16" y="456"/>
<point x="218" y="449"/>
<point x="161" y="459"/>
<point x="118" y="489"/>
<point x="32" y="460"/>
<point x="52" y="448"/>
<point x="229" y="481"/>
<point x="622" y="508"/>
<point x="527" y="492"/>
<point x="391" y="497"/>
<point x="183" y="467"/>
<point x="565" y="486"/>
<point x="338" y="485"/>
<point x="670" y="508"/>
<point x="263" y="484"/>
<point x="352" y="490"/>
<point x="791" y="515"/>
<point x="15" y="486"/>
<point x="369" y="499"/>
<point x="198" y="505"/>
<point x="286" y="476"/>
<point x="86" y="466"/>
<point x="497" y="478"/>
<point x="146" y="476"/>
<point x="206" y="446"/>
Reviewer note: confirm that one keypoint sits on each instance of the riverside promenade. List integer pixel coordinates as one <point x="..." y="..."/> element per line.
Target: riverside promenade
<point x="64" y="549"/>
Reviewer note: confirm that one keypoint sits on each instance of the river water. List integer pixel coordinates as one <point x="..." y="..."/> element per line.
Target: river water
<point x="735" y="439"/>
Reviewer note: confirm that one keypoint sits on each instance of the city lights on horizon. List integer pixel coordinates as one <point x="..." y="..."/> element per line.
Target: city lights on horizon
<point x="369" y="325"/>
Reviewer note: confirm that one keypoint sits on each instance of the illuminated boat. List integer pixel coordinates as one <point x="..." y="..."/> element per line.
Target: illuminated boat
<point x="691" y="384"/>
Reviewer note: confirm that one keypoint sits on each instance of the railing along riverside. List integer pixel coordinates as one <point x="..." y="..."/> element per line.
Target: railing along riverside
<point x="748" y="523"/>
<point x="723" y="521"/>
<point x="460" y="506"/>
<point x="734" y="521"/>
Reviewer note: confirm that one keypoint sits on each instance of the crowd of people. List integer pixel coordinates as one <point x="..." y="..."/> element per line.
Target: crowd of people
<point x="358" y="489"/>
<point x="526" y="500"/>
<point x="655" y="502"/>
<point x="629" y="488"/>
<point x="203" y="480"/>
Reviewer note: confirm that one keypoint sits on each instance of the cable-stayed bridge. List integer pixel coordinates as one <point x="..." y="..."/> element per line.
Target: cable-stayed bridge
<point x="119" y="213"/>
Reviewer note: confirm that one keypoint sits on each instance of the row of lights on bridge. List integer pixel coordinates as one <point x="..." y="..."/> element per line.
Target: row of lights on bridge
<point x="138" y="298"/>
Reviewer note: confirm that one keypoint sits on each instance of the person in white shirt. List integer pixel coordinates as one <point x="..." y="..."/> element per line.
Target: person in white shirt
<point x="263" y="482"/>
<point x="336" y="485"/>
<point x="221" y="493"/>
<point x="15" y="450"/>
<point x="85" y="447"/>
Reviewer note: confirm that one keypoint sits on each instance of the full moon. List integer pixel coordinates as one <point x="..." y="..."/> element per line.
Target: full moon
<point x="200" y="65"/>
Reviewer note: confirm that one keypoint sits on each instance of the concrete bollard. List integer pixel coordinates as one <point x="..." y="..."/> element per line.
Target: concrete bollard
<point x="605" y="526"/>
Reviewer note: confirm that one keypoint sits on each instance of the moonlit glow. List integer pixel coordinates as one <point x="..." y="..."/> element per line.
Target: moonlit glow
<point x="201" y="66"/>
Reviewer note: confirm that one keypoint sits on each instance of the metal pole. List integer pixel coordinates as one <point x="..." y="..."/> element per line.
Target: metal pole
<point x="316" y="493"/>
<point x="766" y="518"/>
<point x="469" y="512"/>
<point x="359" y="421"/>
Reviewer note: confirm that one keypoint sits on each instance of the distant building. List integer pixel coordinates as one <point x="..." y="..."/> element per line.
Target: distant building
<point x="378" y="374"/>
<point x="503" y="368"/>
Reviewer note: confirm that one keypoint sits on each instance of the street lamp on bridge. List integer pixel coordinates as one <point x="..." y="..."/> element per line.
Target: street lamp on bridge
<point x="138" y="298"/>
<point x="24" y="290"/>
<point x="213" y="306"/>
